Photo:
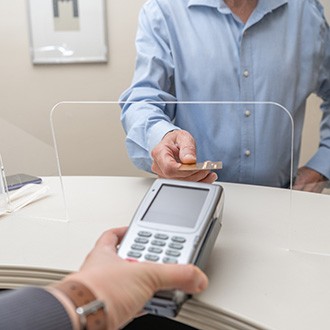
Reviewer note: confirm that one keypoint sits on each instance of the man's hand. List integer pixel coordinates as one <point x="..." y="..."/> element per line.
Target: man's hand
<point x="176" y="148"/>
<point x="309" y="180"/>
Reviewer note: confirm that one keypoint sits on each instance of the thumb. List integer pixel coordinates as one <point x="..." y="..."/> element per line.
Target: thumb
<point x="187" y="147"/>
<point x="187" y="278"/>
<point x="111" y="238"/>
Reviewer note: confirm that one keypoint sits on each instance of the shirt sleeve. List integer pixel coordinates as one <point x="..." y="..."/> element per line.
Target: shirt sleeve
<point x="32" y="308"/>
<point x="320" y="161"/>
<point x="148" y="106"/>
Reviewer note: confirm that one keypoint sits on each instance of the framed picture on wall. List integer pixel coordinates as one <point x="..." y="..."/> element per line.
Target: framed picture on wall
<point x="67" y="31"/>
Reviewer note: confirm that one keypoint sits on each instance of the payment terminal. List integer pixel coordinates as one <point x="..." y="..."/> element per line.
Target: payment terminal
<point x="176" y="222"/>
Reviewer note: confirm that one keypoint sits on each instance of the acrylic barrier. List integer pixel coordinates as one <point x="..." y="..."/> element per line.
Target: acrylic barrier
<point x="90" y="140"/>
<point x="257" y="143"/>
<point x="22" y="188"/>
<point x="4" y="198"/>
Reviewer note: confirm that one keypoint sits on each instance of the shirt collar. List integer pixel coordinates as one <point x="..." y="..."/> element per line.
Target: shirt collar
<point x="208" y="3"/>
<point x="266" y="6"/>
<point x="263" y="5"/>
<point x="263" y="8"/>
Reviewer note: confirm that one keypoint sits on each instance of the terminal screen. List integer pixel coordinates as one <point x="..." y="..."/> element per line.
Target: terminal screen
<point x="176" y="206"/>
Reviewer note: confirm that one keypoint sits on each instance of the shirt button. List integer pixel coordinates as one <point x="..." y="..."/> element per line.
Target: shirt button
<point x="247" y="153"/>
<point x="247" y="113"/>
<point x="246" y="73"/>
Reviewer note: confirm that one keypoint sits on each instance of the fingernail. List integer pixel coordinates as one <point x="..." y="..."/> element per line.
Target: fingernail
<point x="203" y="282"/>
<point x="189" y="155"/>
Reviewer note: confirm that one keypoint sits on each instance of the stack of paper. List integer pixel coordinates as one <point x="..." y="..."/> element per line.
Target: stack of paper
<point x="12" y="277"/>
<point x="206" y="317"/>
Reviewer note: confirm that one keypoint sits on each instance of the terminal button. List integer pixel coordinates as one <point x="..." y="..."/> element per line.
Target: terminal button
<point x="141" y="240"/>
<point x="134" y="254"/>
<point x="137" y="247"/>
<point x="151" y="257"/>
<point x="173" y="253"/>
<point x="154" y="249"/>
<point x="178" y="239"/>
<point x="158" y="243"/>
<point x="176" y="246"/>
<point x="168" y="260"/>
<point x="144" y="234"/>
<point x="161" y="236"/>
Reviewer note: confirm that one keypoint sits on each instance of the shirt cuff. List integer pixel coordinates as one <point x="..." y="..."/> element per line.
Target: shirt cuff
<point x="320" y="162"/>
<point x="157" y="132"/>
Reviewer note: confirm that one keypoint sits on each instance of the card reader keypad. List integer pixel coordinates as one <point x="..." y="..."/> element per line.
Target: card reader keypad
<point x="157" y="247"/>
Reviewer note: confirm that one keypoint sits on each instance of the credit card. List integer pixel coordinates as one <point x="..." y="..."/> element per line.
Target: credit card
<point x="207" y="165"/>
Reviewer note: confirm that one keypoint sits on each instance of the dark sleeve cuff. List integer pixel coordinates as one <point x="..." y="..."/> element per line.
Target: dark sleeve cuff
<point x="32" y="308"/>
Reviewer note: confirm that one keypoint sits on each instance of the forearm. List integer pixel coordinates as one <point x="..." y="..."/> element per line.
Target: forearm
<point x="148" y="105"/>
<point x="320" y="162"/>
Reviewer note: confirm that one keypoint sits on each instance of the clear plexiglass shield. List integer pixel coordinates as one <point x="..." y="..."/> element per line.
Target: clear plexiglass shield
<point x="255" y="141"/>
<point x="27" y="191"/>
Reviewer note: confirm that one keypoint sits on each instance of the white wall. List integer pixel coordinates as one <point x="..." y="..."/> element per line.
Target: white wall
<point x="28" y="92"/>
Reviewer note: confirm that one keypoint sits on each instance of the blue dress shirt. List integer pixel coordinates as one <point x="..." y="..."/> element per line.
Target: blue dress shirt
<point x="199" y="53"/>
